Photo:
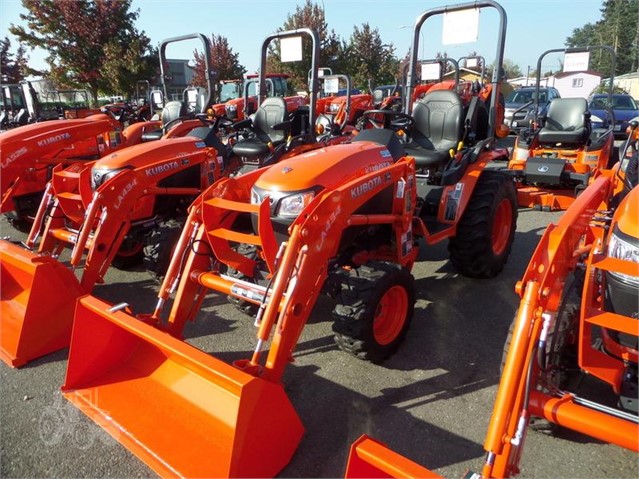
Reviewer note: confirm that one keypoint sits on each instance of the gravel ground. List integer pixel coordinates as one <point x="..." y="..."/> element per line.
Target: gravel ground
<point x="431" y="401"/>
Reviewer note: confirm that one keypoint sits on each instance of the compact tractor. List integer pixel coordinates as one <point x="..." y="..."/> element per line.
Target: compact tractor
<point x="126" y="208"/>
<point x="342" y="220"/>
<point x="28" y="154"/>
<point x="554" y="159"/>
<point x="578" y="317"/>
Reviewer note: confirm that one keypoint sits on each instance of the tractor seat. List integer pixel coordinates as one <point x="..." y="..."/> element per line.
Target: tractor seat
<point x="438" y="128"/>
<point x="172" y="111"/>
<point x="567" y="121"/>
<point x="271" y="112"/>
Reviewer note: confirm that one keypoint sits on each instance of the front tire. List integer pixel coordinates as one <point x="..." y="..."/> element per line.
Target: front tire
<point x="374" y="310"/>
<point x="159" y="248"/>
<point x="486" y="230"/>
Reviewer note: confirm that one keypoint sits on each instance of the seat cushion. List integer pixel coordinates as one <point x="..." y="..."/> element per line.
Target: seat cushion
<point x="251" y="147"/>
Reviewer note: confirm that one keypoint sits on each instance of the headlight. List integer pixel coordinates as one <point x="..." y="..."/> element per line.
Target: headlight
<point x="333" y="107"/>
<point x="99" y="176"/>
<point x="621" y="246"/>
<point x="293" y="205"/>
<point x="231" y="111"/>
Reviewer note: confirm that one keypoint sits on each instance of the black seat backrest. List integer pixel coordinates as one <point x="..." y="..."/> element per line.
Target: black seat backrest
<point x="567" y="121"/>
<point x="271" y="111"/>
<point x="209" y="137"/>
<point x="172" y="111"/>
<point x="439" y="117"/>
<point x="384" y="137"/>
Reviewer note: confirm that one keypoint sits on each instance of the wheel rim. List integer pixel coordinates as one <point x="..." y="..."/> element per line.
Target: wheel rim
<point x="131" y="251"/>
<point x="390" y="315"/>
<point x="501" y="226"/>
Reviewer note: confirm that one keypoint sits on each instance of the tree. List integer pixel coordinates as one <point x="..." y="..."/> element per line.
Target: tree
<point x="225" y="63"/>
<point x="619" y="29"/>
<point x="370" y="58"/>
<point x="91" y="44"/>
<point x="511" y="69"/>
<point x="12" y="70"/>
<point x="310" y="15"/>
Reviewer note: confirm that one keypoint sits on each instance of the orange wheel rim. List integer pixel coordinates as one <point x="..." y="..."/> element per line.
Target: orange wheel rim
<point x="390" y="315"/>
<point x="502" y="226"/>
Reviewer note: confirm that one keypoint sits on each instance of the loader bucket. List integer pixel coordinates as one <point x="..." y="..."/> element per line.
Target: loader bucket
<point x="372" y="459"/>
<point x="37" y="299"/>
<point x="181" y="411"/>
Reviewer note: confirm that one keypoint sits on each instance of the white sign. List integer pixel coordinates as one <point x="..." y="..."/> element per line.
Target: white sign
<point x="471" y="62"/>
<point x="331" y="85"/>
<point x="431" y="71"/>
<point x="291" y="49"/>
<point x="460" y="27"/>
<point x="576" y="62"/>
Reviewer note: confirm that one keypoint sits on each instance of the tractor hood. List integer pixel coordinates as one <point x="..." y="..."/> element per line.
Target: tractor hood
<point x="152" y="153"/>
<point x="627" y="214"/>
<point x="325" y="167"/>
<point x="48" y="138"/>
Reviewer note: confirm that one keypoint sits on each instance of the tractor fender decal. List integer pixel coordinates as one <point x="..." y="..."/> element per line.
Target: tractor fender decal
<point x="14" y="156"/>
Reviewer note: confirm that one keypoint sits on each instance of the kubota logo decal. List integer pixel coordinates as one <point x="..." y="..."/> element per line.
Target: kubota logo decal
<point x="377" y="167"/>
<point x="371" y="184"/>
<point x="123" y="194"/>
<point x="159" y="169"/>
<point x="54" y="139"/>
<point x="14" y="156"/>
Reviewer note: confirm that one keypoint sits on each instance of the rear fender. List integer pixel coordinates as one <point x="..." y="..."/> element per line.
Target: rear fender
<point x="460" y="193"/>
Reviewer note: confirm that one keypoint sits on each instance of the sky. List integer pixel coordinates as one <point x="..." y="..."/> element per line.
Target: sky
<point x="533" y="26"/>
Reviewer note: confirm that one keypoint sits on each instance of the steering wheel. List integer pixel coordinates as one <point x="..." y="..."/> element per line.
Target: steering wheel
<point x="118" y="112"/>
<point x="397" y="121"/>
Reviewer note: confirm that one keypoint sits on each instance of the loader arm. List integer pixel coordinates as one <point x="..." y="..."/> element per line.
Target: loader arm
<point x="556" y="255"/>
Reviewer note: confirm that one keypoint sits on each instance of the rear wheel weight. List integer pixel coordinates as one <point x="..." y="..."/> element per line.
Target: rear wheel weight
<point x="374" y="310"/>
<point x="486" y="230"/>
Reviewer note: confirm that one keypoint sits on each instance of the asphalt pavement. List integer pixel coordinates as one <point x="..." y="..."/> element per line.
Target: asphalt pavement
<point x="431" y="401"/>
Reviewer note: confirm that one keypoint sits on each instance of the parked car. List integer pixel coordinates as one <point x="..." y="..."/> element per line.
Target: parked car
<point x="518" y="98"/>
<point x="624" y="108"/>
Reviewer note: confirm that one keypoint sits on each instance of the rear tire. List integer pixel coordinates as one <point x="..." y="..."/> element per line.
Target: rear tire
<point x="486" y="230"/>
<point x="374" y="310"/>
<point x="159" y="248"/>
<point x="129" y="255"/>
<point x="242" y="305"/>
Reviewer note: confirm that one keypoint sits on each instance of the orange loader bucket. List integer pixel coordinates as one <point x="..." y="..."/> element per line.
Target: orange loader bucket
<point x="370" y="458"/>
<point x="180" y="410"/>
<point x="37" y="299"/>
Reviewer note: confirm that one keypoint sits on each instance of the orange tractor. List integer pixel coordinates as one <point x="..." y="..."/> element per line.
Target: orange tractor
<point x="29" y="153"/>
<point x="341" y="220"/>
<point x="555" y="158"/>
<point x="123" y="209"/>
<point x="239" y="99"/>
<point x="577" y="316"/>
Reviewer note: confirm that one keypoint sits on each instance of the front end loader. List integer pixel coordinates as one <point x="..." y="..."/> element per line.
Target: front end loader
<point x="341" y="220"/>
<point x="118" y="210"/>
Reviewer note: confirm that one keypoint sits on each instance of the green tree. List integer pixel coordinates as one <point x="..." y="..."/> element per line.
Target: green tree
<point x="310" y="15"/>
<point x="370" y="58"/>
<point x="225" y="62"/>
<point x="88" y="41"/>
<point x="619" y="29"/>
<point x="12" y="70"/>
